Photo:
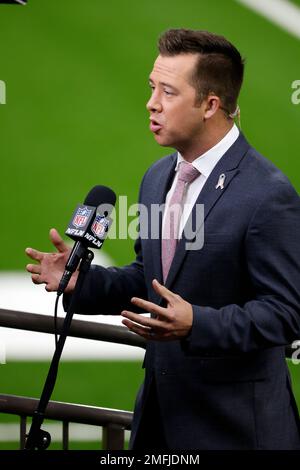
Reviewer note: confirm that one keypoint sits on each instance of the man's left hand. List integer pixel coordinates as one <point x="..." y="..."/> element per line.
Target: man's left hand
<point x="171" y="323"/>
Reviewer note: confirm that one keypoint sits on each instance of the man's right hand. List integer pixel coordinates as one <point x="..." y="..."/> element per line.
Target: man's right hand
<point x="50" y="266"/>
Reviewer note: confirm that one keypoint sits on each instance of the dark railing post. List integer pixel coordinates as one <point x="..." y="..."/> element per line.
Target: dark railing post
<point x="65" y="435"/>
<point x="23" y="421"/>
<point x="113" y="422"/>
<point x="113" y="437"/>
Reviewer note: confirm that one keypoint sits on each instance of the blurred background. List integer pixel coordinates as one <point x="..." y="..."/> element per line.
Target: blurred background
<point x="76" y="76"/>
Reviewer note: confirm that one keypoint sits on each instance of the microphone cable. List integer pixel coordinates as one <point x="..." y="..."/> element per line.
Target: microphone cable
<point x="55" y="321"/>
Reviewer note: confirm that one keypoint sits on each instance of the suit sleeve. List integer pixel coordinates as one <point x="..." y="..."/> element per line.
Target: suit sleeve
<point x="109" y="290"/>
<point x="272" y="317"/>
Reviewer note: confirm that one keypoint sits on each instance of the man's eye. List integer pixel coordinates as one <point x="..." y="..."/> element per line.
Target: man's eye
<point x="168" y="93"/>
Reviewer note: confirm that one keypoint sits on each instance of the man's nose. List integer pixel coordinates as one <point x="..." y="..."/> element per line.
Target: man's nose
<point x="154" y="104"/>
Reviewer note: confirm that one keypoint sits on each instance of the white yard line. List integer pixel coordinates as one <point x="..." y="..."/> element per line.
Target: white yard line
<point x="17" y="292"/>
<point x="280" y="12"/>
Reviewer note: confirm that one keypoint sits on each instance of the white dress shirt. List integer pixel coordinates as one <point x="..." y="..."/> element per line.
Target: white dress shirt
<point x="205" y="165"/>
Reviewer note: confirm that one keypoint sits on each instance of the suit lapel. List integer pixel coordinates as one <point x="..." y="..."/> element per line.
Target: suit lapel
<point x="210" y="195"/>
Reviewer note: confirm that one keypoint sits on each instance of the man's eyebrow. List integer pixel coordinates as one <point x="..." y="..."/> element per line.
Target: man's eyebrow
<point x="164" y="84"/>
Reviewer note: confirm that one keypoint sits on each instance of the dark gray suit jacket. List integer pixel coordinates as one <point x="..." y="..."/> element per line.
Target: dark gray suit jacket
<point x="226" y="386"/>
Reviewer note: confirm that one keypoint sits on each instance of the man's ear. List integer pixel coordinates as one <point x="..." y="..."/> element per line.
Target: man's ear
<point x="212" y="104"/>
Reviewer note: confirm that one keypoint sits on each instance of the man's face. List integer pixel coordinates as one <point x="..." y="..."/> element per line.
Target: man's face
<point x="175" y="117"/>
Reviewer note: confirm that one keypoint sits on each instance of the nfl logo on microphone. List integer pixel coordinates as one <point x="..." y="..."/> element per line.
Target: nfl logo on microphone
<point x="99" y="226"/>
<point x="81" y="217"/>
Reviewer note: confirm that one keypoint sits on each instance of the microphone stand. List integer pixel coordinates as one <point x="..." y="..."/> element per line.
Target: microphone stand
<point x="37" y="438"/>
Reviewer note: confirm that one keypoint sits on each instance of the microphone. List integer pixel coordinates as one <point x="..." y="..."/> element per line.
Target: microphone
<point x="88" y="228"/>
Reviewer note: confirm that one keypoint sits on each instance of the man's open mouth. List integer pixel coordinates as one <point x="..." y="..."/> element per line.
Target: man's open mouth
<point x="155" y="126"/>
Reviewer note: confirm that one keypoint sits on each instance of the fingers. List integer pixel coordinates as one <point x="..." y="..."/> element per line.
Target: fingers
<point x="36" y="279"/>
<point x="151" y="323"/>
<point x="139" y="330"/>
<point x="154" y="334"/>
<point x="34" y="254"/>
<point x="57" y="241"/>
<point x="163" y="291"/>
<point x="50" y="288"/>
<point x="150" y="307"/>
<point x="34" y="268"/>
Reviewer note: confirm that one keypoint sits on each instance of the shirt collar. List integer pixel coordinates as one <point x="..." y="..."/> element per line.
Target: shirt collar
<point x="207" y="161"/>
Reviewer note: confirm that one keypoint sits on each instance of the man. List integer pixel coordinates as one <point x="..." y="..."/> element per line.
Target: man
<point x="215" y="371"/>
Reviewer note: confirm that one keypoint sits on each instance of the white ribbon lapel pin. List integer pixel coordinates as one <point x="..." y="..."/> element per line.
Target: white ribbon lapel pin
<point x="221" y="181"/>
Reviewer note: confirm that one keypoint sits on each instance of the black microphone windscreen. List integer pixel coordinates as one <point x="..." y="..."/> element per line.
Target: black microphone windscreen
<point x="100" y="195"/>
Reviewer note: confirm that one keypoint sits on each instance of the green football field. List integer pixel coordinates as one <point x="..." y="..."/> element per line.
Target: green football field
<point x="77" y="82"/>
<point x="76" y="75"/>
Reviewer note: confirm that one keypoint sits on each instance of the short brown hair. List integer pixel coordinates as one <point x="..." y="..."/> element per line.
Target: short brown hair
<point x="220" y="68"/>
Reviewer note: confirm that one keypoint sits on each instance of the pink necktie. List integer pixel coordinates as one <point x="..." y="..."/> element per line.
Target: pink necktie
<point x="187" y="174"/>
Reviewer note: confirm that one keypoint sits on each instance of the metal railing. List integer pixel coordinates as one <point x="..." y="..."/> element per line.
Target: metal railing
<point x="79" y="328"/>
<point x="113" y="422"/>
